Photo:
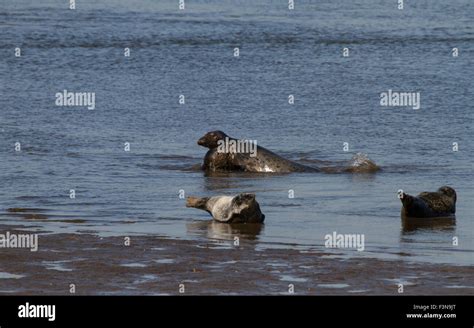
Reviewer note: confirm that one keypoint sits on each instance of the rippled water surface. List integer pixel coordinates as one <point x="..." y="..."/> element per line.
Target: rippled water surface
<point x="282" y="52"/>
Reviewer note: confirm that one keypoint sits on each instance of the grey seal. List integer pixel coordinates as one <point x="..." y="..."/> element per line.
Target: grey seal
<point x="264" y="161"/>
<point x="241" y="208"/>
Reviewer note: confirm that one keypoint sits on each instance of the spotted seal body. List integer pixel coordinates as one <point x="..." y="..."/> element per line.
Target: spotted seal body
<point x="264" y="160"/>
<point x="441" y="203"/>
<point x="242" y="208"/>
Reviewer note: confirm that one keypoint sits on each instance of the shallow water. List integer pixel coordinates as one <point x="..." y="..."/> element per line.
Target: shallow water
<point x="281" y="52"/>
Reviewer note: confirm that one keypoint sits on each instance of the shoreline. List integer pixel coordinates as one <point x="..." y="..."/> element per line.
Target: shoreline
<point x="155" y="265"/>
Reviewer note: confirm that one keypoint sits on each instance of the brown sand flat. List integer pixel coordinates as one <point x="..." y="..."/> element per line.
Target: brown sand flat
<point x="156" y="265"/>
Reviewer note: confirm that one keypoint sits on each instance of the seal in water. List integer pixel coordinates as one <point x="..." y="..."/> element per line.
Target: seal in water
<point x="242" y="208"/>
<point x="441" y="203"/>
<point x="360" y="163"/>
<point x="219" y="158"/>
<point x="262" y="160"/>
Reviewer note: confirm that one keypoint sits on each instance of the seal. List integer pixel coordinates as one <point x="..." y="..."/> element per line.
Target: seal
<point x="262" y="160"/>
<point x="360" y="163"/>
<point x="241" y="208"/>
<point x="441" y="203"/>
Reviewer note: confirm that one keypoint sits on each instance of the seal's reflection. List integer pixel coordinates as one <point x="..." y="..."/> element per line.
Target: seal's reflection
<point x="410" y="224"/>
<point x="232" y="180"/>
<point x="363" y="177"/>
<point x="227" y="231"/>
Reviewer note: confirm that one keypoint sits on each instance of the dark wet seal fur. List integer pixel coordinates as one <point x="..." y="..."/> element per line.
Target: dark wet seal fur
<point x="265" y="160"/>
<point x="441" y="203"/>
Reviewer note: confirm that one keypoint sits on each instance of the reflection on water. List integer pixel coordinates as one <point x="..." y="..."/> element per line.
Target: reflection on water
<point x="362" y="177"/>
<point x="410" y="224"/>
<point x="213" y="183"/>
<point x="217" y="230"/>
<point x="231" y="180"/>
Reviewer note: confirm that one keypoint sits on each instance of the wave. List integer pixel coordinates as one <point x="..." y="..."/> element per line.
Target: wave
<point x="49" y="42"/>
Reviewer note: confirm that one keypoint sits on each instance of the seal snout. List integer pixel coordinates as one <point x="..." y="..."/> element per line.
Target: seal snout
<point x="196" y="202"/>
<point x="211" y="139"/>
<point x="201" y="141"/>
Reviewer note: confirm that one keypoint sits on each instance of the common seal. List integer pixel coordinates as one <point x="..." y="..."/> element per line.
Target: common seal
<point x="242" y="208"/>
<point x="263" y="161"/>
<point x="441" y="203"/>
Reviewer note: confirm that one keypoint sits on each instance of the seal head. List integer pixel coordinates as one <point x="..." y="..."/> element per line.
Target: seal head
<point x="210" y="140"/>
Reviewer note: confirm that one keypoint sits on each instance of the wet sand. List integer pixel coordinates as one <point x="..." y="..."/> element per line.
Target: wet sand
<point x="157" y="265"/>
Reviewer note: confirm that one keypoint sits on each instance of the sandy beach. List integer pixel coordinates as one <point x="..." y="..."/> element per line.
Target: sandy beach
<point x="156" y="266"/>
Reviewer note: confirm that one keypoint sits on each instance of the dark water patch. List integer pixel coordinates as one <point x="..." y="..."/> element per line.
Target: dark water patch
<point x="412" y="168"/>
<point x="73" y="154"/>
<point x="176" y="157"/>
<point x="441" y="223"/>
<point x="42" y="199"/>
<point x="392" y="40"/>
<point x="248" y="175"/>
<point x="170" y="162"/>
<point x="87" y="232"/>
<point x="403" y="254"/>
<point x="283" y="205"/>
<point x="249" y="38"/>
<point x="184" y="168"/>
<point x="97" y="203"/>
<point x="75" y="221"/>
<point x="33" y="216"/>
<point x="317" y="162"/>
<point x="25" y="210"/>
